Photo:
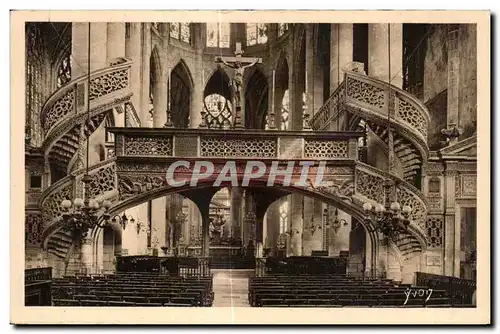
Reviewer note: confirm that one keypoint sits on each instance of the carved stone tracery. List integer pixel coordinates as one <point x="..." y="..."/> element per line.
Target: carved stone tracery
<point x="365" y="93"/>
<point x="59" y="109"/>
<point x="138" y="145"/>
<point x="410" y="114"/>
<point x="326" y="149"/>
<point x="236" y="148"/>
<point x="108" y="83"/>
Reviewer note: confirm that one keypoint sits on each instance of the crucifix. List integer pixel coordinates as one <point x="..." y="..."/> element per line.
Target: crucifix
<point x="238" y="63"/>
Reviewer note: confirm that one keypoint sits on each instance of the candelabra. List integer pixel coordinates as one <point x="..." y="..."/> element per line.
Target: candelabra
<point x="122" y="220"/>
<point x="389" y="219"/>
<point x="336" y="223"/>
<point x="311" y="226"/>
<point x="83" y="213"/>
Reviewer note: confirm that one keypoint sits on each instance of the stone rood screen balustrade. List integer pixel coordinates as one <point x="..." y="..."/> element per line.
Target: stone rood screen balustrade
<point x="234" y="144"/>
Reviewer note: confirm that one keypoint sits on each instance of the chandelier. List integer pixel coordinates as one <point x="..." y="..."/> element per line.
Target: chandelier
<point x="390" y="219"/>
<point x="336" y="223"/>
<point x="311" y="226"/>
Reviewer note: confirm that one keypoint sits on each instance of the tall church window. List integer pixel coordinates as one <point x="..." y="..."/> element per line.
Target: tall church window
<point x="181" y="31"/>
<point x="64" y="70"/>
<point x="256" y="33"/>
<point x="285" y="107"/>
<point x="218" y="35"/>
<point x="283" y="210"/>
<point x="282" y="29"/>
<point x="218" y="111"/>
<point x="34" y="84"/>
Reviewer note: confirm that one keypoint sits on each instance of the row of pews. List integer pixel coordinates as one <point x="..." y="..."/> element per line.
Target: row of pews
<point x="133" y="289"/>
<point x="332" y="290"/>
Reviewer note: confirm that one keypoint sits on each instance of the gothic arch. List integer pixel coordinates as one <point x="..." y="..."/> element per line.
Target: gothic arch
<point x="256" y="99"/>
<point x="155" y="66"/>
<point x="218" y="83"/>
<point x="181" y="94"/>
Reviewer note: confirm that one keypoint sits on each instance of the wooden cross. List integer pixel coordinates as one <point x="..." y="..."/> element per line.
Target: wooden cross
<point x="238" y="63"/>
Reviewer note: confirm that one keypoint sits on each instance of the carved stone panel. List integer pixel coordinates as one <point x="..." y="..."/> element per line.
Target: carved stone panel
<point x="434" y="227"/>
<point x="238" y="148"/>
<point x="433" y="260"/>
<point x="186" y="146"/>
<point x="325" y="149"/>
<point x="102" y="181"/>
<point x="148" y="146"/>
<point x="370" y="186"/>
<point x="33" y="227"/>
<point x="290" y="148"/>
<point x="410" y="114"/>
<point x="131" y="185"/>
<point x="59" y="109"/>
<point x="465" y="186"/>
<point x="108" y="83"/>
<point x="365" y="93"/>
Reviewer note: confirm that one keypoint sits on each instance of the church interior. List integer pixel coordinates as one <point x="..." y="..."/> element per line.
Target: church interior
<point x="390" y="108"/>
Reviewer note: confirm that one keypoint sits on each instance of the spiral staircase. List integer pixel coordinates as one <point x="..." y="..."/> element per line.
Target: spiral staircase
<point x="65" y="124"/>
<point x="362" y="100"/>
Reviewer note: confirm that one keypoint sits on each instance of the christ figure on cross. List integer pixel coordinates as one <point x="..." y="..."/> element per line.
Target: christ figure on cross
<point x="239" y="64"/>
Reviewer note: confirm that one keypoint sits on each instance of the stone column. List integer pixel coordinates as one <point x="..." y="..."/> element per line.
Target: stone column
<point x="296" y="88"/>
<point x="310" y="65"/>
<point x="296" y="224"/>
<point x="133" y="51"/>
<point x="235" y="213"/>
<point x="80" y="47"/>
<point x="379" y="55"/>
<point x="341" y="52"/>
<point x="449" y="223"/>
<point x="145" y="75"/>
<point x="205" y="227"/>
<point x="159" y="205"/>
<point x="86" y="255"/>
<point x="453" y="79"/>
<point x="272" y="227"/>
<point x="115" y="46"/>
<point x="368" y="254"/>
<point x="197" y="95"/>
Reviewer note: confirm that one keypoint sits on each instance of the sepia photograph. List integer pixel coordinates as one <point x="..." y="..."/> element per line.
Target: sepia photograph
<point x="243" y="164"/>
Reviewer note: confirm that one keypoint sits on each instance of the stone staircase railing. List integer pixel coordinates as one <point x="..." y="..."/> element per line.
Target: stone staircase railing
<point x="65" y="111"/>
<point x="369" y="188"/>
<point x="103" y="186"/>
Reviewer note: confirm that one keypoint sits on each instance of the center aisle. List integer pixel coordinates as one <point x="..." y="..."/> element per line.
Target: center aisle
<point x="230" y="287"/>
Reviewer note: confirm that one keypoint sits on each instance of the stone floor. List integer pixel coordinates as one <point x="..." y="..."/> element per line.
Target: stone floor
<point x="230" y="287"/>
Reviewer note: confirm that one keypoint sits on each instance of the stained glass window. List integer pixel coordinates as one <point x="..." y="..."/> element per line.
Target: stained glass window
<point x="181" y="31"/>
<point x="64" y="70"/>
<point x="285" y="105"/>
<point x="219" y="112"/>
<point x="256" y="33"/>
<point x="218" y="35"/>
<point x="282" y="29"/>
<point x="34" y="84"/>
<point x="283" y="216"/>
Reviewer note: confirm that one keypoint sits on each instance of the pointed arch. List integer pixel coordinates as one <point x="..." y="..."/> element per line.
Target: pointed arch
<point x="217" y="98"/>
<point x="218" y="83"/>
<point x="180" y="94"/>
<point x="155" y="66"/>
<point x="256" y="99"/>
